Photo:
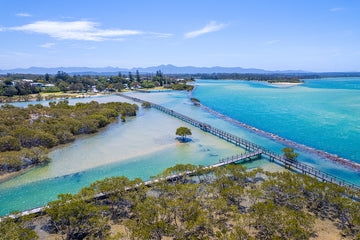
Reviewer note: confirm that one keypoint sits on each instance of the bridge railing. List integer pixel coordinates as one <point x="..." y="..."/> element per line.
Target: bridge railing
<point x="315" y="172"/>
<point x="252" y="146"/>
<point x="239" y="157"/>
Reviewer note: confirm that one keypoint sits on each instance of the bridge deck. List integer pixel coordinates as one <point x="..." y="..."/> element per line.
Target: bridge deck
<point x="222" y="162"/>
<point x="257" y="152"/>
<point x="249" y="146"/>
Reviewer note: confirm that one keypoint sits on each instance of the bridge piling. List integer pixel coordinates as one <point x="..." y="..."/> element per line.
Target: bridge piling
<point x="249" y="146"/>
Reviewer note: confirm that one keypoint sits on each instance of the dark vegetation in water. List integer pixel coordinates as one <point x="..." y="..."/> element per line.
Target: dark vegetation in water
<point x="183" y="132"/>
<point x="182" y="87"/>
<point x="195" y="101"/>
<point x="222" y="203"/>
<point x="27" y="133"/>
<point x="146" y="105"/>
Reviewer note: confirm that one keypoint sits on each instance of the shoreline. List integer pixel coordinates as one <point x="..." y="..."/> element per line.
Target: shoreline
<point x="325" y="155"/>
<point x="285" y="84"/>
<point x="263" y="81"/>
<point x="51" y="97"/>
<point x="4" y="177"/>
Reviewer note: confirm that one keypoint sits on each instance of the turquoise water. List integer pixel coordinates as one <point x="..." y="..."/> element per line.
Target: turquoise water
<point x="143" y="146"/>
<point x="250" y="102"/>
<point x="321" y="113"/>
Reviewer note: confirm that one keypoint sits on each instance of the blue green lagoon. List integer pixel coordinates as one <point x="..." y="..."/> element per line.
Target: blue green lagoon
<point x="322" y="113"/>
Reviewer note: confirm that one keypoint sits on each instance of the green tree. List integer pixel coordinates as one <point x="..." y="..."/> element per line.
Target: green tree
<point x="118" y="86"/>
<point x="147" y="84"/>
<point x="131" y="78"/>
<point x="9" y="143"/>
<point x="11" y="229"/>
<point x="10" y="91"/>
<point x="274" y="222"/>
<point x="63" y="86"/>
<point x="289" y="153"/>
<point x="183" y="132"/>
<point x="138" y="77"/>
<point x="77" y="219"/>
<point x="146" y="105"/>
<point x="47" y="77"/>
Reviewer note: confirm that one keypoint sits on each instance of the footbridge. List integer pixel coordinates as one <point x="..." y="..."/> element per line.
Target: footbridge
<point x="254" y="151"/>
<point x="253" y="148"/>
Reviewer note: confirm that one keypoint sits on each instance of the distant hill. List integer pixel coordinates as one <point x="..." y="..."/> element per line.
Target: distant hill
<point x="167" y="69"/>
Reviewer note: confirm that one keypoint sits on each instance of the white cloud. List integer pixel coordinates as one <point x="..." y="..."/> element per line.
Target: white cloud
<point x="23" y="15"/>
<point x="161" y="35"/>
<point x="335" y="9"/>
<point x="210" y="27"/>
<point x="75" y="30"/>
<point x="47" y="45"/>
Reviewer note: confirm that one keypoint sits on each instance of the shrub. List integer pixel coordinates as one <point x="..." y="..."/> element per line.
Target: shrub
<point x="146" y="105"/>
<point x="65" y="137"/>
<point x="9" y="143"/>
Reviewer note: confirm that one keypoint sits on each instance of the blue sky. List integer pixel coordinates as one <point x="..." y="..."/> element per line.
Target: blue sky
<point x="270" y="34"/>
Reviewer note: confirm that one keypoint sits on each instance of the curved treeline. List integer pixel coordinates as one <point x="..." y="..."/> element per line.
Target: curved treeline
<point x="27" y="133"/>
<point x="268" y="77"/>
<point x="247" y="77"/>
<point x="226" y="203"/>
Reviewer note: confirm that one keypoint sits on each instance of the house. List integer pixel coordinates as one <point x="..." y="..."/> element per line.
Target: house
<point x="37" y="84"/>
<point x="49" y="85"/>
<point x="27" y="80"/>
<point x="93" y="89"/>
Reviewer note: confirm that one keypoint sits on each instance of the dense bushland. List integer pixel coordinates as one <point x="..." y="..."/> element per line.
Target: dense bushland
<point x="27" y="133"/>
<point x="226" y="203"/>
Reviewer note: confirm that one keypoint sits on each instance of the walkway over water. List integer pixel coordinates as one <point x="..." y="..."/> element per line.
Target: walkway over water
<point x="254" y="151"/>
<point x="245" y="157"/>
<point x="252" y="147"/>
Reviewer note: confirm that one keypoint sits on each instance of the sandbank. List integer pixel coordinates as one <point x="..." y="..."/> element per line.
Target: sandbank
<point x="285" y="84"/>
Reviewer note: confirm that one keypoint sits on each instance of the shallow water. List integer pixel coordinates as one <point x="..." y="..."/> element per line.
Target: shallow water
<point x="179" y="102"/>
<point x="143" y="146"/>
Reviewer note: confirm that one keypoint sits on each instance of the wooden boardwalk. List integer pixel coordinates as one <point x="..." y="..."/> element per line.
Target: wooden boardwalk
<point x="249" y="146"/>
<point x="245" y="157"/>
<point x="255" y="151"/>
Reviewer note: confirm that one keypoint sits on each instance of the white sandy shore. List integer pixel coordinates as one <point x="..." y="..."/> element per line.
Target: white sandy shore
<point x="285" y="84"/>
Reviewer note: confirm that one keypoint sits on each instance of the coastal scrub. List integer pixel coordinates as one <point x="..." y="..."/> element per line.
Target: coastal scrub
<point x="27" y="133"/>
